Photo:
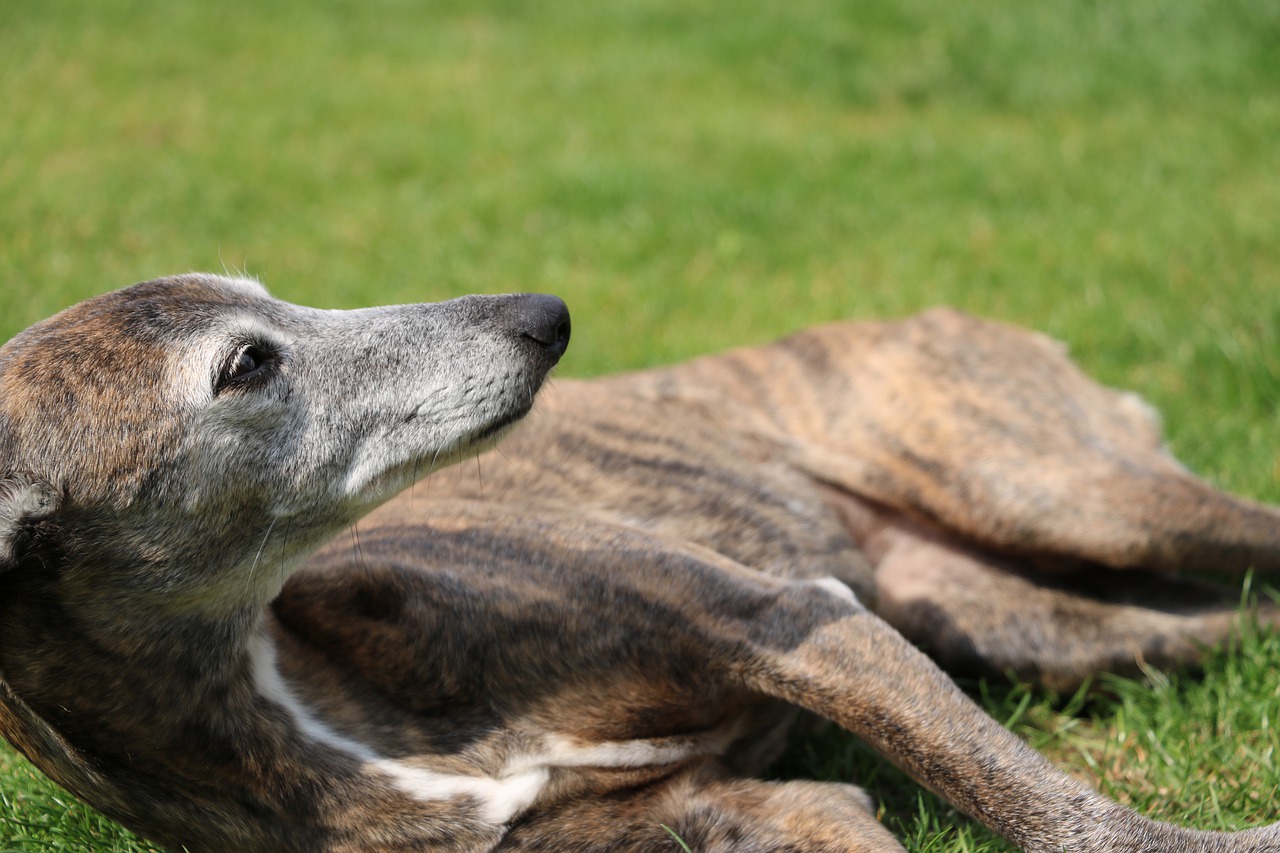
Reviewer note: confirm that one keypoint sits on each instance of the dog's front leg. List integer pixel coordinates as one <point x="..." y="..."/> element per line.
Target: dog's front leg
<point x="853" y="668"/>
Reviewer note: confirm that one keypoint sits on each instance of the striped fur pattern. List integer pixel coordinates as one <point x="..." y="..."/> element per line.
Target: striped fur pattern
<point x="218" y="626"/>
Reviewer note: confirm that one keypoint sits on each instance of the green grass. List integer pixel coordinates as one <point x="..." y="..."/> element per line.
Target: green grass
<point x="692" y="176"/>
<point x="37" y="816"/>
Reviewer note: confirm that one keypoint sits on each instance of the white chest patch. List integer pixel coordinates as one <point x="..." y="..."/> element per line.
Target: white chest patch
<point x="838" y="589"/>
<point x="499" y="797"/>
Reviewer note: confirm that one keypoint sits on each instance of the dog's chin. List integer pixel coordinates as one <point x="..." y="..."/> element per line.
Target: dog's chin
<point x="484" y="438"/>
<point x="490" y="435"/>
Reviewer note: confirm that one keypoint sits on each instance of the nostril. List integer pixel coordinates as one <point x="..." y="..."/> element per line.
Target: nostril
<point x="561" y="342"/>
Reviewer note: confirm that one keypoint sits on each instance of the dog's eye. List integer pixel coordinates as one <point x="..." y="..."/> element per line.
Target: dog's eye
<point x="244" y="364"/>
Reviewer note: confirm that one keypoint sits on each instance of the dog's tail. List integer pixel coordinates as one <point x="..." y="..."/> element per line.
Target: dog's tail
<point x="856" y="670"/>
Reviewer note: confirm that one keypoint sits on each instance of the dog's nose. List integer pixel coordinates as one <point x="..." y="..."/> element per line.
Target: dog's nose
<point x="545" y="320"/>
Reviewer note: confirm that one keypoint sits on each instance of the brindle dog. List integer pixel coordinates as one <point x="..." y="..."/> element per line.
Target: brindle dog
<point x="601" y="629"/>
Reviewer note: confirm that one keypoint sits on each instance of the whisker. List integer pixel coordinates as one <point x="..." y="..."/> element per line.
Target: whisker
<point x="262" y="546"/>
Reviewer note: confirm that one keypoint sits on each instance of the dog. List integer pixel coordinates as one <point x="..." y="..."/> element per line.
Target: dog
<point x="244" y="604"/>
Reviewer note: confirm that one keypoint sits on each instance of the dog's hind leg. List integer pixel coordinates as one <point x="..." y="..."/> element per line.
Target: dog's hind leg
<point x="708" y="810"/>
<point x="980" y="613"/>
<point x="992" y="432"/>
<point x="728" y="815"/>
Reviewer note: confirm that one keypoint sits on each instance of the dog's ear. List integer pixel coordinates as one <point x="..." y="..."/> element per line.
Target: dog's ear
<point x="24" y="501"/>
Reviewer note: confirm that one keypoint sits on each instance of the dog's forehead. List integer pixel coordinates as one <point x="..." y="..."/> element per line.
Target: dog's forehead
<point x="164" y="311"/>
<point x="168" y="311"/>
<point x="128" y="335"/>
<point x="109" y="362"/>
<point x="89" y="343"/>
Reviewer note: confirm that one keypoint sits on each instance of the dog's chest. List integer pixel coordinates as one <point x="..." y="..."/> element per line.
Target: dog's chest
<point x="475" y="687"/>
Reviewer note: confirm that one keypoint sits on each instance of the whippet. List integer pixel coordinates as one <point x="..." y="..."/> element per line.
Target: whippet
<point x="599" y="634"/>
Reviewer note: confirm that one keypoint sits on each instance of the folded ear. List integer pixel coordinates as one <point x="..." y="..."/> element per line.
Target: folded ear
<point x="24" y="501"/>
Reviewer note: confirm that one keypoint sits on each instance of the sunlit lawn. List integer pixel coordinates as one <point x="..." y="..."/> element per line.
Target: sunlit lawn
<point x="691" y="176"/>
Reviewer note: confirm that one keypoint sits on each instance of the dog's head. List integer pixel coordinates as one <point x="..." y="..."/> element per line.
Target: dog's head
<point x="179" y="427"/>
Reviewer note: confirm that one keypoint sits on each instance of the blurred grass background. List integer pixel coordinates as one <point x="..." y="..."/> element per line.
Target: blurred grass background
<point x="694" y="176"/>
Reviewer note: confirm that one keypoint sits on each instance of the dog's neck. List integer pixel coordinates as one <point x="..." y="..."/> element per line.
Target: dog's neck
<point x="182" y="616"/>
<point x="187" y="705"/>
<point x="50" y="665"/>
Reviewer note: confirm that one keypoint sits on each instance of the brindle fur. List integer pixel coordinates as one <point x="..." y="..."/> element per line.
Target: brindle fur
<point x="598" y="630"/>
